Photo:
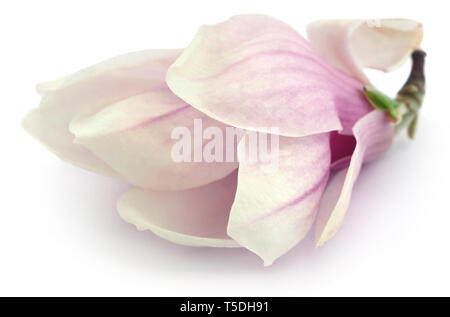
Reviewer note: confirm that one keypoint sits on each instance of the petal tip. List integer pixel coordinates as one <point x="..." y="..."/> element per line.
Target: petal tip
<point x="321" y="240"/>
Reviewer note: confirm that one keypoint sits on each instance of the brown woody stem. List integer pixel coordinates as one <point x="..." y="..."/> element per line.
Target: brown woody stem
<point x="412" y="94"/>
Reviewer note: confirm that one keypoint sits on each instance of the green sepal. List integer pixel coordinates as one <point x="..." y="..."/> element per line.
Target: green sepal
<point x="382" y="102"/>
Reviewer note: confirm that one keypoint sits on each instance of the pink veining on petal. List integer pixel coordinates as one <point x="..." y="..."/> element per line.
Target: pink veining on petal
<point x="288" y="206"/>
<point x="264" y="74"/>
<point x="155" y="119"/>
<point x="273" y="211"/>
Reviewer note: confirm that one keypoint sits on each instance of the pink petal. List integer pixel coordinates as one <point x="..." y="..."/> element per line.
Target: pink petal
<point x="88" y="91"/>
<point x="134" y="137"/>
<point x="351" y="45"/>
<point x="374" y="134"/>
<point x="342" y="147"/>
<point x="255" y="72"/>
<point x="194" y="217"/>
<point x="273" y="211"/>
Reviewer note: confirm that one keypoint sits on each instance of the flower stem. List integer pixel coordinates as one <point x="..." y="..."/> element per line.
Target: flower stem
<point x="412" y="93"/>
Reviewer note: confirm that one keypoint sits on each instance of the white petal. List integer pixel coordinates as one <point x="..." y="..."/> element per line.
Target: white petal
<point x="87" y="92"/>
<point x="134" y="136"/>
<point x="194" y="217"/>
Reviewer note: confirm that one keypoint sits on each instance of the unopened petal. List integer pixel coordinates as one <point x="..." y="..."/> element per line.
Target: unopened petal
<point x="48" y="128"/>
<point x="134" y="136"/>
<point x="89" y="91"/>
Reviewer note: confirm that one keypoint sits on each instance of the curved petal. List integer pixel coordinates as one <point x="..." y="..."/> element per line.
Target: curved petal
<point x="194" y="217"/>
<point x="109" y="81"/>
<point x="88" y="91"/>
<point x="374" y="134"/>
<point x="352" y="44"/>
<point x="46" y="127"/>
<point x="134" y="136"/>
<point x="255" y="72"/>
<point x="274" y="210"/>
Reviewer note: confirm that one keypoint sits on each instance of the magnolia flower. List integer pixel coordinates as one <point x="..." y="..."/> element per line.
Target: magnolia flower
<point x="250" y="72"/>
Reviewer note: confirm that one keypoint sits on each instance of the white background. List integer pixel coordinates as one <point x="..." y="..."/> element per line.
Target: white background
<point x="61" y="235"/>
